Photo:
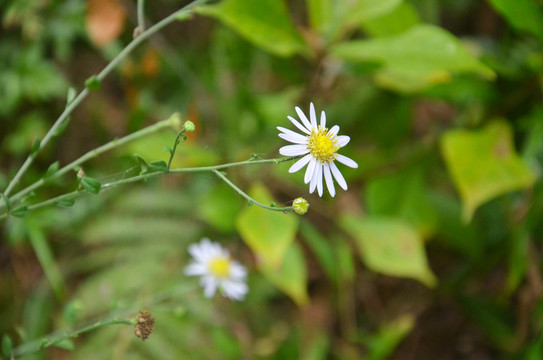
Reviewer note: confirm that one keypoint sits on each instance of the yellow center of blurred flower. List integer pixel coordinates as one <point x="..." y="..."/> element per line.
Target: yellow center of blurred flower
<point x="220" y="267"/>
<point x="322" y="145"/>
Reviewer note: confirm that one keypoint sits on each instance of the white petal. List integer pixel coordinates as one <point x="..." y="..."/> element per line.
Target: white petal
<point x="195" y="269"/>
<point x="334" y="130"/>
<point x="291" y="136"/>
<point x="234" y="290"/>
<point x="298" y="125"/>
<point x="315" y="178"/>
<point x="323" y="119"/>
<point x="343" y="140"/>
<point x="293" y="150"/>
<point x="302" y="117"/>
<point x="209" y="284"/>
<point x="237" y="271"/>
<point x="347" y="161"/>
<point x="337" y="175"/>
<point x="300" y="163"/>
<point x="313" y="116"/>
<point x="319" y="180"/>
<point x="197" y="251"/>
<point x="310" y="169"/>
<point x="329" y="180"/>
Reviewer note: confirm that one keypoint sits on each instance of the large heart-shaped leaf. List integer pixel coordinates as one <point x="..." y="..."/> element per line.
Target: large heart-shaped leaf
<point x="268" y="233"/>
<point x="414" y="60"/>
<point x="390" y="246"/>
<point x="484" y="164"/>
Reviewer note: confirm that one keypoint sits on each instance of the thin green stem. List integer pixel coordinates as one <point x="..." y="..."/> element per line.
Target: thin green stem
<point x="172" y="152"/>
<point x="250" y="199"/>
<point x="141" y="15"/>
<point x="171" y="122"/>
<point x="77" y="193"/>
<point x="83" y="94"/>
<point x="46" y="342"/>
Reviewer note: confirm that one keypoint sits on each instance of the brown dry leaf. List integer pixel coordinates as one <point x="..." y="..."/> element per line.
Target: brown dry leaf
<point x="104" y="21"/>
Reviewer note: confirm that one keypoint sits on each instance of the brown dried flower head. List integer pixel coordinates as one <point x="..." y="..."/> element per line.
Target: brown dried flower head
<point x="144" y="325"/>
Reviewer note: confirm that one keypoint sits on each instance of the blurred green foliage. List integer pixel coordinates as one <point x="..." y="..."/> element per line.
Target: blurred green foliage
<point x="434" y="252"/>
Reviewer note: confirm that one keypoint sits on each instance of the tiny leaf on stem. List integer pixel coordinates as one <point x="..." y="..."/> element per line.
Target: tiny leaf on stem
<point x="143" y="164"/>
<point x="20" y="212"/>
<point x="65" y="202"/>
<point x="35" y="146"/>
<point x="158" y="166"/>
<point x="65" y="344"/>
<point x="91" y="185"/>
<point x="53" y="168"/>
<point x="93" y="83"/>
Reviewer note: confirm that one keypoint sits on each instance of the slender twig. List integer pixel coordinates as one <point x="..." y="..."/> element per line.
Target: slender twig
<point x="141" y="15"/>
<point x="171" y="122"/>
<point x="83" y="94"/>
<point x="172" y="152"/>
<point x="78" y="193"/>
<point x="250" y="199"/>
<point x="55" y="339"/>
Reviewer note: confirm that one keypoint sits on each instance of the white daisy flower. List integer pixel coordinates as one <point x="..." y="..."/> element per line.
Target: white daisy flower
<point x="217" y="270"/>
<point x="320" y="146"/>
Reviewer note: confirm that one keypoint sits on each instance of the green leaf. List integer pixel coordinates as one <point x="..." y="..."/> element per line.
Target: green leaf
<point x="53" y="168"/>
<point x="390" y="246"/>
<point x="93" y="83"/>
<point x="404" y="194"/>
<point x="20" y="212"/>
<point x="322" y="249"/>
<point x="425" y="55"/>
<point x="7" y="345"/>
<point x="401" y="19"/>
<point x="65" y="203"/>
<point x="65" y="344"/>
<point x="483" y="164"/>
<point x="35" y="146"/>
<point x="91" y="185"/>
<point x="266" y="23"/>
<point x="144" y="166"/>
<point x="382" y="345"/>
<point x="364" y="10"/>
<point x="291" y="276"/>
<point x="268" y="233"/>
<point x="158" y="166"/>
<point x="523" y="14"/>
<point x="320" y="14"/>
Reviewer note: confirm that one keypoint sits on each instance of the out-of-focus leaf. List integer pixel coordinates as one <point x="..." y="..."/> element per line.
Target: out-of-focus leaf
<point x="53" y="168"/>
<point x="525" y="15"/>
<point x="484" y="164"/>
<point x="414" y="60"/>
<point x="264" y="22"/>
<point x="44" y="254"/>
<point x="104" y="21"/>
<point x="65" y="344"/>
<point x="390" y="246"/>
<point x="268" y="233"/>
<point x="291" y="276"/>
<point x="399" y="20"/>
<point x="91" y="185"/>
<point x="357" y="12"/>
<point x="381" y="345"/>
<point x="226" y="343"/>
<point x="320" y="14"/>
<point x="7" y="345"/>
<point x="518" y="259"/>
<point x="322" y="249"/>
<point x="220" y="207"/>
<point x="403" y="194"/>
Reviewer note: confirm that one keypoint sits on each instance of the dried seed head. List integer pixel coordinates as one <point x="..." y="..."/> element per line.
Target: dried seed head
<point x="144" y="325"/>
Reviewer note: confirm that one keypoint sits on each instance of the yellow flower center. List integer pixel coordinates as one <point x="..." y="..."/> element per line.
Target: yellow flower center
<point x="322" y="145"/>
<point x="220" y="267"/>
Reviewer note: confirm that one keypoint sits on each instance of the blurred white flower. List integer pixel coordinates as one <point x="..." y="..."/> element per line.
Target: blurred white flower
<point x="320" y="146"/>
<point x="217" y="270"/>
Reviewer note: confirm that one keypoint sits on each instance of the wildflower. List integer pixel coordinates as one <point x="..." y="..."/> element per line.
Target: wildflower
<point x="319" y="147"/>
<point x="217" y="270"/>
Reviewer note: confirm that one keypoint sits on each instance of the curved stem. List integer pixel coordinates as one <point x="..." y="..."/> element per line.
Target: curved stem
<point x="141" y="17"/>
<point x="250" y="199"/>
<point x="77" y="193"/>
<point x="47" y="342"/>
<point x="83" y="94"/>
<point x="94" y="153"/>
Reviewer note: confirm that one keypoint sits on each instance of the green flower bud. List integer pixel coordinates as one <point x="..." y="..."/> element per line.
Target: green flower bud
<point x="189" y="126"/>
<point x="300" y="206"/>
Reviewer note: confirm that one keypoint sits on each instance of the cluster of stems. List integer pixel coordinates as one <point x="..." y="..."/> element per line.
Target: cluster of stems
<point x="16" y="205"/>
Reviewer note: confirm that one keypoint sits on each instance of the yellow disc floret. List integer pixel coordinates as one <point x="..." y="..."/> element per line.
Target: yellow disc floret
<point x="220" y="267"/>
<point x="322" y="145"/>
